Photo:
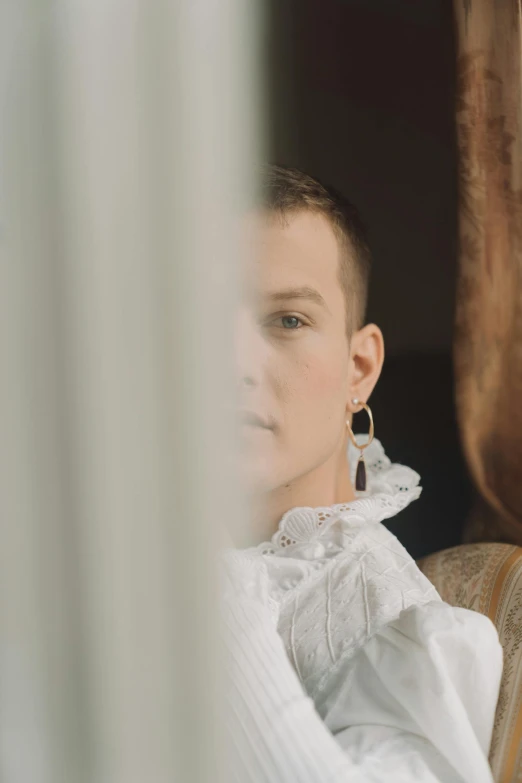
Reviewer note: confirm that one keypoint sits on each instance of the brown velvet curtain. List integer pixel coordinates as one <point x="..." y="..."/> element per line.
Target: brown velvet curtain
<point x="488" y="340"/>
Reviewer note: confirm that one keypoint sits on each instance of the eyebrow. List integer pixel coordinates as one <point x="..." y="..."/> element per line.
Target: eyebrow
<point x="304" y="292"/>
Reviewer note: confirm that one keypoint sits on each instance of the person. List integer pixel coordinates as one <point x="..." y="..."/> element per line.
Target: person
<point x="344" y="663"/>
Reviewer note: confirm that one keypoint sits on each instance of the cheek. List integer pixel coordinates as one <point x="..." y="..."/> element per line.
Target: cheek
<point x="324" y="378"/>
<point x="316" y="382"/>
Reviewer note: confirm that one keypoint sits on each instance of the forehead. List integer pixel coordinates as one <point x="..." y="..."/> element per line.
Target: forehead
<point x="297" y="249"/>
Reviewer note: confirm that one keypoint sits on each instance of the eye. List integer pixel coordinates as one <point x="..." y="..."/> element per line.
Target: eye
<point x="286" y="322"/>
<point x="290" y="322"/>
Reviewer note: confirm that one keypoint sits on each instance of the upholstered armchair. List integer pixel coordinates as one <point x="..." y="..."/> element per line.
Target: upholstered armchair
<point x="487" y="577"/>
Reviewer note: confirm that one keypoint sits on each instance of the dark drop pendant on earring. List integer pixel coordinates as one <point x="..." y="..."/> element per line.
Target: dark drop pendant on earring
<point x="360" y="475"/>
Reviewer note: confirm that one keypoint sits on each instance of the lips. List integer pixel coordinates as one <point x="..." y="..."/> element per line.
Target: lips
<point x="252" y="419"/>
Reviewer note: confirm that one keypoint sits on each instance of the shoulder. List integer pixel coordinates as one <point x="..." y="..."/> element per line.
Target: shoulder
<point x="438" y="625"/>
<point x="371" y="569"/>
<point x="334" y="611"/>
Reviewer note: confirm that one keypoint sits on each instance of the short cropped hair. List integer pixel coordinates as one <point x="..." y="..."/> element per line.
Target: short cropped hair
<point x="287" y="191"/>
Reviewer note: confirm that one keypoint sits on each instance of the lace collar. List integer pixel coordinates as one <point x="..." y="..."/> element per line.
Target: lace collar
<point x="308" y="532"/>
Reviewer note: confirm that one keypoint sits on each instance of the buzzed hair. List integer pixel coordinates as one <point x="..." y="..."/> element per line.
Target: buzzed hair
<point x="287" y="191"/>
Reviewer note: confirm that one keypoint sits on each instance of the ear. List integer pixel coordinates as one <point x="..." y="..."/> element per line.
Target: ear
<point x="367" y="357"/>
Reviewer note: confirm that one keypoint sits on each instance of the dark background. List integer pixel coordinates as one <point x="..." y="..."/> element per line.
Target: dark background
<point x="360" y="95"/>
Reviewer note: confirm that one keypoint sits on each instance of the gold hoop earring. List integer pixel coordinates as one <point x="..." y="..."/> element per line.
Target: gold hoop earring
<point x="360" y="473"/>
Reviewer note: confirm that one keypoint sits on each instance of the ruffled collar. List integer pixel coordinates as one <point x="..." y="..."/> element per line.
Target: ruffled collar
<point x="312" y="533"/>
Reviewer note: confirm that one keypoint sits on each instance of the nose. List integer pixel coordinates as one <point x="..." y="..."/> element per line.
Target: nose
<point x="249" y="350"/>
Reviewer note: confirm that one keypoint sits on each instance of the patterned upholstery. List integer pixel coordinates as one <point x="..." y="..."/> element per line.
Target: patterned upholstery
<point x="488" y="578"/>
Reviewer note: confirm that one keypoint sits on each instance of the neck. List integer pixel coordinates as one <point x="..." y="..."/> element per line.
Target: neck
<point x="326" y="485"/>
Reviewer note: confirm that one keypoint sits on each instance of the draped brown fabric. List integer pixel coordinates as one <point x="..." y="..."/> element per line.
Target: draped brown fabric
<point x="488" y="340"/>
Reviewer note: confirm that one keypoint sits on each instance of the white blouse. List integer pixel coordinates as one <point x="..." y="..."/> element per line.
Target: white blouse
<point x="345" y="664"/>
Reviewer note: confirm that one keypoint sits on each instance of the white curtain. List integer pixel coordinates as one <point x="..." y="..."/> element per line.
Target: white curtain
<point x="129" y="130"/>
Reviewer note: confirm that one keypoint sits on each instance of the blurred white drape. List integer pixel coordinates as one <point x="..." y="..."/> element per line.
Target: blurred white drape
<point x="129" y="132"/>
